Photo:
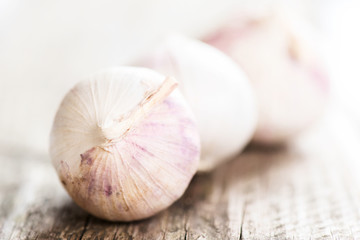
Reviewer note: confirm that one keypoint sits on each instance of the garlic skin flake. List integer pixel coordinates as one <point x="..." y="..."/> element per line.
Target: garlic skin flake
<point x="291" y="86"/>
<point x="125" y="143"/>
<point x="217" y="91"/>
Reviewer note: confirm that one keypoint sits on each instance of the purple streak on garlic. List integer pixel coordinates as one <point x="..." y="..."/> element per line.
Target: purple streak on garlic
<point x="212" y="84"/>
<point x="291" y="87"/>
<point x="125" y="144"/>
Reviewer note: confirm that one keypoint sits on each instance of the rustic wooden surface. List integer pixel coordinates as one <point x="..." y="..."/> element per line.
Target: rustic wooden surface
<point x="308" y="190"/>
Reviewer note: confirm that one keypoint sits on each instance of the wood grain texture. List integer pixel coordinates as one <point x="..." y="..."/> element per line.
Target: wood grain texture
<point x="308" y="190"/>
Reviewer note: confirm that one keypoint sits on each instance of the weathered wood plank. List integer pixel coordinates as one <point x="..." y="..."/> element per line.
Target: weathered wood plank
<point x="39" y="207"/>
<point x="310" y="189"/>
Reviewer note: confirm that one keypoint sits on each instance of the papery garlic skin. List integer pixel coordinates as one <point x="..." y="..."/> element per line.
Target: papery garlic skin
<point x="292" y="88"/>
<point x="217" y="91"/>
<point x="121" y="152"/>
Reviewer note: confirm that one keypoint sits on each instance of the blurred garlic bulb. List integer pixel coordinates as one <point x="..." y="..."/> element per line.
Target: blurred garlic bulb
<point x="217" y="91"/>
<point x="290" y="86"/>
<point x="125" y="145"/>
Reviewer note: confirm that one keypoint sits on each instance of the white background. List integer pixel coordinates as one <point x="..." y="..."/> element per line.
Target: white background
<point x="47" y="46"/>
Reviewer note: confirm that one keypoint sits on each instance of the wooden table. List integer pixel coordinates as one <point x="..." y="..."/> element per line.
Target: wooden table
<point x="308" y="190"/>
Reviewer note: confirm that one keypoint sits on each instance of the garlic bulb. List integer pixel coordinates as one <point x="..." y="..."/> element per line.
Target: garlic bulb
<point x="125" y="145"/>
<point x="217" y="91"/>
<point x="291" y="88"/>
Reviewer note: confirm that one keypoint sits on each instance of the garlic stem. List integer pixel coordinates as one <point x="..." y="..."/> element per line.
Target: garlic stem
<point x="119" y="127"/>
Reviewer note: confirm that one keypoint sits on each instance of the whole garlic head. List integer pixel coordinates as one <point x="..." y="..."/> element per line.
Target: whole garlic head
<point x="124" y="144"/>
<point x="291" y="87"/>
<point x="216" y="89"/>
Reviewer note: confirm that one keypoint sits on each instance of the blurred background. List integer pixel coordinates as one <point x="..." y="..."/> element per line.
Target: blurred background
<point x="48" y="46"/>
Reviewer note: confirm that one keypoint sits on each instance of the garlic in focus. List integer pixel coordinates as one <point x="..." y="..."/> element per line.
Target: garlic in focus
<point x="216" y="89"/>
<point x="125" y="144"/>
<point x="291" y="87"/>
